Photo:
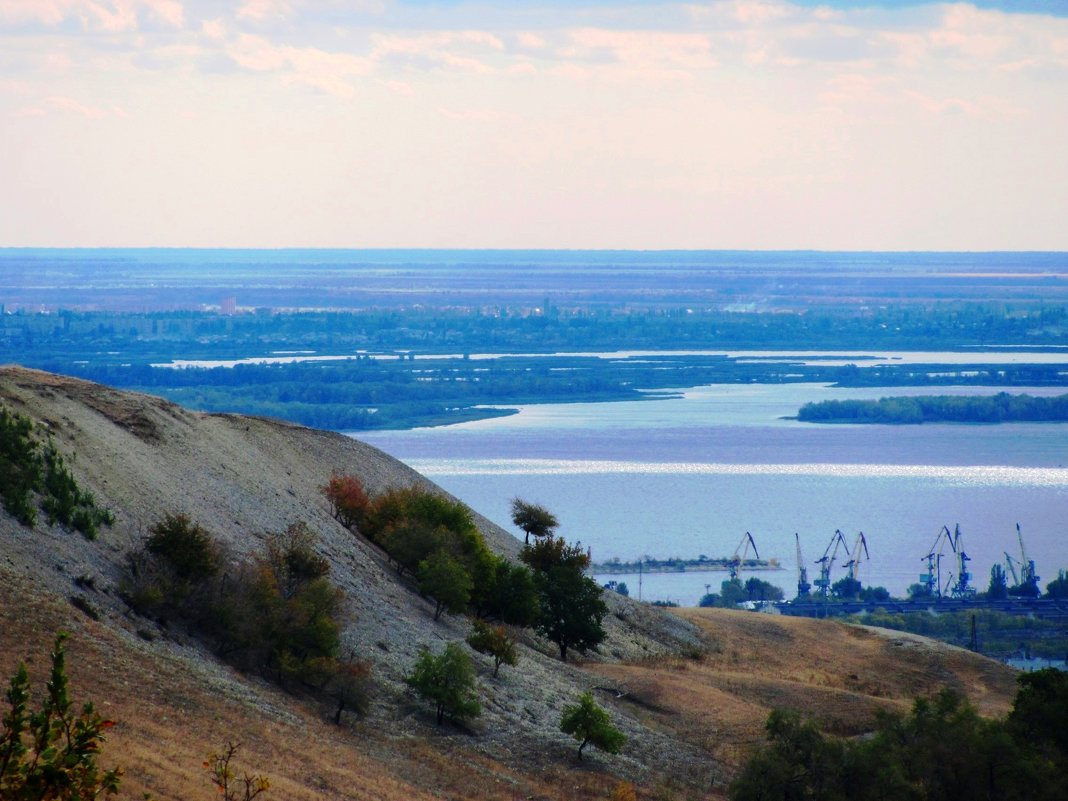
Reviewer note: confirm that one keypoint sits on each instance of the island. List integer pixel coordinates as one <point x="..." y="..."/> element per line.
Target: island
<point x="1000" y="408"/>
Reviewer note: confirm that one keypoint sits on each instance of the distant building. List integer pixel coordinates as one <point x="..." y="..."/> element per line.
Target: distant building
<point x="228" y="306"/>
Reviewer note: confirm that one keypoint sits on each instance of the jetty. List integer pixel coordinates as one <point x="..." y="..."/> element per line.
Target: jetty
<point x="701" y="564"/>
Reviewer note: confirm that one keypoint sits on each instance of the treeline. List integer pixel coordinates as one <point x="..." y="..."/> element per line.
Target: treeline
<point x="999" y="408"/>
<point x="367" y="393"/>
<point x="583" y="326"/>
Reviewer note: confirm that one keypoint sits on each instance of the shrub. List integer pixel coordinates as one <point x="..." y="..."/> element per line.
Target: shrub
<point x="494" y="641"/>
<point x="590" y="725"/>
<point x="447" y="681"/>
<point x="66" y="502"/>
<point x="52" y="754"/>
<point x="229" y="787"/>
<point x="190" y="552"/>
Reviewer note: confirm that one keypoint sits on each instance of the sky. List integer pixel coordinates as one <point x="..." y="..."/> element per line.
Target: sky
<point x="741" y="124"/>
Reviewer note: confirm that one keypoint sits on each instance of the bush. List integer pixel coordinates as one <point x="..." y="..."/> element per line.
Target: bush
<point x="189" y="551"/>
<point x="52" y="754"/>
<point x="591" y="725"/>
<point x="228" y="785"/>
<point x="447" y="681"/>
<point x="20" y="467"/>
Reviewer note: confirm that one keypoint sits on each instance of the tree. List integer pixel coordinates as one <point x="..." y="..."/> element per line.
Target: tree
<point x="445" y="580"/>
<point x="534" y="520"/>
<point x="348" y="499"/>
<point x="999" y="585"/>
<point x="511" y="596"/>
<point x="190" y="551"/>
<point x="494" y="641"/>
<point x="447" y="681"/>
<point x="760" y="590"/>
<point x="571" y="608"/>
<point x="1058" y="588"/>
<point x="52" y="754"/>
<point x="846" y="588"/>
<point x="590" y="725"/>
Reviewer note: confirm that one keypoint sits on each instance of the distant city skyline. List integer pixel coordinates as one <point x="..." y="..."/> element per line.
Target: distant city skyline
<point x="743" y="124"/>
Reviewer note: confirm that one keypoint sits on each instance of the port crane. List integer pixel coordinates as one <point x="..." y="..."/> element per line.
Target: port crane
<point x="932" y="579"/>
<point x="803" y="586"/>
<point x="823" y="583"/>
<point x="741" y="553"/>
<point x="853" y="565"/>
<point x="961" y="589"/>
<point x="1028" y="581"/>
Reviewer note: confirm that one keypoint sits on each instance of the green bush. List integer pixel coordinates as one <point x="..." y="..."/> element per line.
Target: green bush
<point x="52" y="754"/>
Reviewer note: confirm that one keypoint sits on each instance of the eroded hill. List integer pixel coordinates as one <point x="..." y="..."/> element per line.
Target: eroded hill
<point x="690" y="691"/>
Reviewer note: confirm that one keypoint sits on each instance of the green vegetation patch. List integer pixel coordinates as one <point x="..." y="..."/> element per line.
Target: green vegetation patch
<point x="31" y="471"/>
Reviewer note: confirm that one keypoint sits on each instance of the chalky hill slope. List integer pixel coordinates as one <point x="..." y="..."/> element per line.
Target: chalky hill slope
<point x="689" y="690"/>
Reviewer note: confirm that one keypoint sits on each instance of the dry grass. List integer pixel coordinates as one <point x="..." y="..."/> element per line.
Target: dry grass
<point x="836" y="673"/>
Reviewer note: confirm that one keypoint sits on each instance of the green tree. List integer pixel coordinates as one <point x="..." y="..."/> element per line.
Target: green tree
<point x="534" y="520"/>
<point x="189" y="551"/>
<point x="999" y="585"/>
<point x="590" y="725"/>
<point x="1058" y="588"/>
<point x="494" y="641"/>
<point x="448" y="682"/>
<point x="846" y="588"/>
<point x="570" y="604"/>
<point x="445" y="580"/>
<point x="511" y="596"/>
<point x="51" y="755"/>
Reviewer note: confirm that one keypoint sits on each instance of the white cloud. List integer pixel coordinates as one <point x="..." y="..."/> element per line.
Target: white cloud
<point x="109" y="16"/>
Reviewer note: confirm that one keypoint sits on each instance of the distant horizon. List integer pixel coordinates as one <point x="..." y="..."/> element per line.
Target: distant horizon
<point x="604" y="250"/>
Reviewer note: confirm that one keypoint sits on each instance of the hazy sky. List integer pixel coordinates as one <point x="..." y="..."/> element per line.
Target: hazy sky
<point x="526" y="123"/>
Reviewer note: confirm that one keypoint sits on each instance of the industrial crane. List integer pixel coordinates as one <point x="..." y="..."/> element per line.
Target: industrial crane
<point x="803" y="586"/>
<point x="1011" y="563"/>
<point x="740" y="555"/>
<point x="932" y="579"/>
<point x="854" y="564"/>
<point x="961" y="589"/>
<point x="1028" y="580"/>
<point x="823" y="583"/>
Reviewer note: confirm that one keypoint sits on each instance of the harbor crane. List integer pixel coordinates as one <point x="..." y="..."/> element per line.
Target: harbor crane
<point x="932" y="579"/>
<point x="961" y="588"/>
<point x="741" y="553"/>
<point x="853" y="565"/>
<point x="803" y="586"/>
<point x="823" y="583"/>
<point x="1028" y="580"/>
<point x="1010" y="563"/>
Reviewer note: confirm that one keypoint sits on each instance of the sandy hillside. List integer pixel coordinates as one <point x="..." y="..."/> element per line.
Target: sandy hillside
<point x="693" y="688"/>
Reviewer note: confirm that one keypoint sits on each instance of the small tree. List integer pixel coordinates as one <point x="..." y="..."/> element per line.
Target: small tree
<point x="446" y="581"/>
<point x="494" y="641"/>
<point x="533" y="519"/>
<point x="590" y="725"/>
<point x="51" y="754"/>
<point x="190" y="551"/>
<point x="999" y="584"/>
<point x="1058" y="588"/>
<point x="225" y="780"/>
<point x="447" y="681"/>
<point x="348" y="499"/>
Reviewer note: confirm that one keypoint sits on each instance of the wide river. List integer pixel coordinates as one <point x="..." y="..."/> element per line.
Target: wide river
<point x="691" y="475"/>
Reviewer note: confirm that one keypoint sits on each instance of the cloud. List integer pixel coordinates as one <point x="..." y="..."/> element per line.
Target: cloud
<point x="67" y="105"/>
<point x="309" y="66"/>
<point x="109" y="16"/>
